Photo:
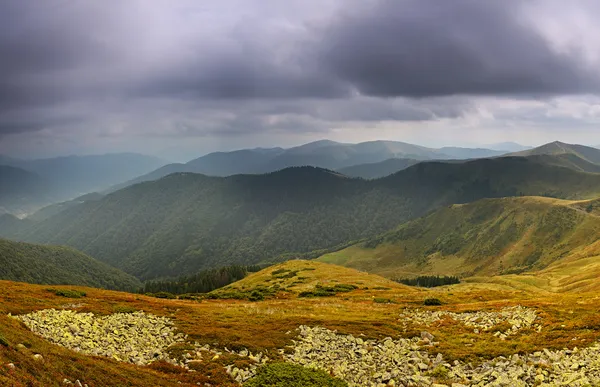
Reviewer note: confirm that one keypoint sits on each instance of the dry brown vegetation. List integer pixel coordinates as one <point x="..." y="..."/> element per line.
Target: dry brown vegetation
<point x="568" y="320"/>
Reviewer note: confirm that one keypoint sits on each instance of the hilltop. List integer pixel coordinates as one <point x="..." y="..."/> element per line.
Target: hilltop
<point x="59" y="265"/>
<point x="297" y="276"/>
<point x="188" y="222"/>
<point x="589" y="154"/>
<point x="489" y="237"/>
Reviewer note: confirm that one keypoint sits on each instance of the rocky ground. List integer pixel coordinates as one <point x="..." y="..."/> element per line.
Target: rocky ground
<point x="141" y="338"/>
<point x="517" y="317"/>
<point x="410" y="362"/>
<point x="137" y="338"/>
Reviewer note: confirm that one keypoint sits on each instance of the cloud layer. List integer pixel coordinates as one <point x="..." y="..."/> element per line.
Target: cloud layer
<point x="185" y="69"/>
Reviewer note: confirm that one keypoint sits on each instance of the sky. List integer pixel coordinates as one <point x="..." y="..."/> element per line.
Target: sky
<point x="181" y="78"/>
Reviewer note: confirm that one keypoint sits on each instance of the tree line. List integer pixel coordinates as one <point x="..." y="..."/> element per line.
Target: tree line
<point x="201" y="282"/>
<point x="429" y="281"/>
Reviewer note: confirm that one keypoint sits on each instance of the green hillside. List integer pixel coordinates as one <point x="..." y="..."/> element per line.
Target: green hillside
<point x="188" y="222"/>
<point x="484" y="238"/>
<point x="58" y="265"/>
<point x="568" y="160"/>
<point x="53" y="209"/>
<point x="589" y="154"/>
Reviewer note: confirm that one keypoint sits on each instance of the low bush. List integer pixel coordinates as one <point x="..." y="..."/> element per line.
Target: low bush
<point x="188" y="296"/>
<point x="257" y="294"/>
<point x="3" y="341"/>
<point x="429" y="281"/>
<point x="432" y="302"/>
<point x="317" y="293"/>
<point x="327" y="291"/>
<point x="124" y="309"/>
<point x="69" y="293"/>
<point x="344" y="288"/>
<point x="379" y="300"/>
<point x="166" y="295"/>
<point x="292" y="375"/>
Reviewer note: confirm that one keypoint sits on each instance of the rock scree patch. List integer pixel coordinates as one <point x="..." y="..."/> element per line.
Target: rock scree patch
<point x="137" y="338"/>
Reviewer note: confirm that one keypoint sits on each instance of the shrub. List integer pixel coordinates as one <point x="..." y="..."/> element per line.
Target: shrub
<point x="429" y="281"/>
<point x="327" y="291"/>
<point x="188" y="296"/>
<point x="432" y="302"/>
<point x="167" y="295"/>
<point x="3" y="341"/>
<point x="292" y="375"/>
<point x="256" y="296"/>
<point x="69" y="293"/>
<point x="344" y="288"/>
<point x="316" y="293"/>
<point x="124" y="309"/>
<point x="379" y="300"/>
<point x="439" y="372"/>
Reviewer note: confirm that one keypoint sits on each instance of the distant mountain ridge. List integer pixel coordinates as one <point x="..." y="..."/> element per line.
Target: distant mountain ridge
<point x="508" y="146"/>
<point x="63" y="178"/>
<point x="187" y="222"/>
<point x="586" y="153"/>
<point x="323" y="154"/>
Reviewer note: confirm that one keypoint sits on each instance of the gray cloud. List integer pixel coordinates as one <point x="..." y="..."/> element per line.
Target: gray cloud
<point x="238" y="67"/>
<point x="421" y="48"/>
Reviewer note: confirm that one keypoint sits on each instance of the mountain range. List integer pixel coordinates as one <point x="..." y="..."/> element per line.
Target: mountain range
<point x="187" y="222"/>
<point x="324" y="154"/>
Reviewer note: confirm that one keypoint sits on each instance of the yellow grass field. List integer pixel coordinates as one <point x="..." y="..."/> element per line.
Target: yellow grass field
<point x="567" y="319"/>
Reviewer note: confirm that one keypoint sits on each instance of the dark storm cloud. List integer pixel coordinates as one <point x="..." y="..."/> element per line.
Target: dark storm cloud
<point x="421" y="48"/>
<point x="238" y="67"/>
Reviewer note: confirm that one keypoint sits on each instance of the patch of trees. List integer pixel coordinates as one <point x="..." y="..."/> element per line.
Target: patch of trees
<point x="429" y="281"/>
<point x="201" y="282"/>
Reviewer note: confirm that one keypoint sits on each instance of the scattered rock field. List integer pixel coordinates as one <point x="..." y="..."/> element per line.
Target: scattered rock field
<point x="141" y="338"/>
<point x="137" y="338"/>
<point x="517" y="317"/>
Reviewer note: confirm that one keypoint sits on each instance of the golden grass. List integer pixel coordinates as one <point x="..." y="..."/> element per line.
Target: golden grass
<point x="269" y="325"/>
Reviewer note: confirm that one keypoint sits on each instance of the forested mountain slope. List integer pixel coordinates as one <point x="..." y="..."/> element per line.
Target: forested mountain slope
<point x="187" y="222"/>
<point x="587" y="153"/>
<point x="378" y="170"/>
<point x="38" y="264"/>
